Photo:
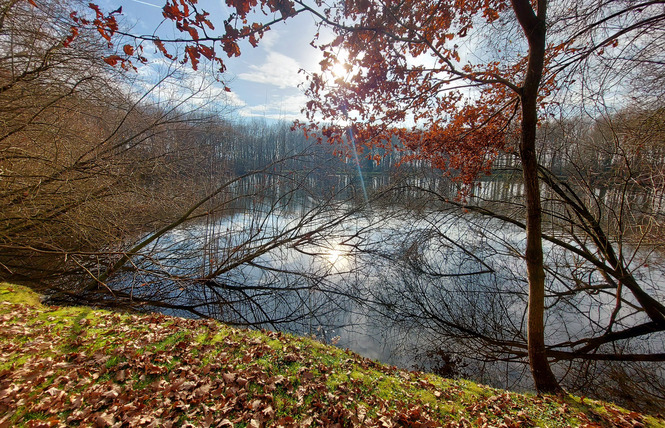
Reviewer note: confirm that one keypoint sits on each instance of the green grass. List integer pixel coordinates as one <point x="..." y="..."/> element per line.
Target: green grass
<point x="18" y="294"/>
<point x="76" y="366"/>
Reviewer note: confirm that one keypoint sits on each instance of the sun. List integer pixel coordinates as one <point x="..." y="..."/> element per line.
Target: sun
<point x="339" y="69"/>
<point x="341" y="66"/>
<point x="333" y="256"/>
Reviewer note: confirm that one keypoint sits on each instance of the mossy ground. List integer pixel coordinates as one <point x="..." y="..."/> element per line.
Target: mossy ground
<point x="73" y="366"/>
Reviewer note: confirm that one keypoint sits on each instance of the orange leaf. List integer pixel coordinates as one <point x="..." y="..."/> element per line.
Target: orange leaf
<point x="192" y="32"/>
<point x="112" y="60"/>
<point x="207" y="51"/>
<point x="74" y="32"/>
<point x="160" y="45"/>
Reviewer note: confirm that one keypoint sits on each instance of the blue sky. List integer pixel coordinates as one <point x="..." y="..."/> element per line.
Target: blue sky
<point x="265" y="79"/>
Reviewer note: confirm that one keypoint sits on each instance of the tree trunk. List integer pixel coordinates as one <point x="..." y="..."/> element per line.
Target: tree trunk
<point x="534" y="28"/>
<point x="543" y="377"/>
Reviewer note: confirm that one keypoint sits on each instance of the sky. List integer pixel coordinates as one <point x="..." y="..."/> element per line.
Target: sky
<point x="264" y="80"/>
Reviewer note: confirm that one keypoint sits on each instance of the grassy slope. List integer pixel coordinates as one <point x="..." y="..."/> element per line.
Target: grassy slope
<point x="79" y="366"/>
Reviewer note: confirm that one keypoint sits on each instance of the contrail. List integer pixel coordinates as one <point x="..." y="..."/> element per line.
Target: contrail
<point x="147" y="4"/>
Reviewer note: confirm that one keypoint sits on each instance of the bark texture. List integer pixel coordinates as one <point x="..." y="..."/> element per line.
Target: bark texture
<point x="533" y="24"/>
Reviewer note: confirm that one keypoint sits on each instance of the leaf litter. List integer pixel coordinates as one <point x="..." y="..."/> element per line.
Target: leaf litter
<point x="81" y="367"/>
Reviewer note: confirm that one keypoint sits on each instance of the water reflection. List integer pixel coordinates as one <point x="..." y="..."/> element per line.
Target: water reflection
<point x="402" y="284"/>
<point x="338" y="258"/>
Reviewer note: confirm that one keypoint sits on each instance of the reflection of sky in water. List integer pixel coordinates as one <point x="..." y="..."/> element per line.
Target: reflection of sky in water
<point x="367" y="257"/>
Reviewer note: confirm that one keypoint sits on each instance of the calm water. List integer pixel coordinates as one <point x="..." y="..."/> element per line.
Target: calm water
<point x="384" y="282"/>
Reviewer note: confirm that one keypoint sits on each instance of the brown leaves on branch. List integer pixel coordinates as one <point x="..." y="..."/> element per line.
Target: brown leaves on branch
<point x="195" y="24"/>
<point x="106" y="25"/>
<point x="384" y="88"/>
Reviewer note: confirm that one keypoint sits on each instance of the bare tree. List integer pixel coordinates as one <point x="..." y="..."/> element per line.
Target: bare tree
<point x="89" y="155"/>
<point x="460" y="280"/>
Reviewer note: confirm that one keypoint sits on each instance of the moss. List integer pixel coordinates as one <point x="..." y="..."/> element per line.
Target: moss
<point x="335" y="380"/>
<point x="653" y="422"/>
<point x="114" y="361"/>
<point x="274" y="344"/>
<point x="202" y="338"/>
<point x="425" y="397"/>
<point x="18" y="294"/>
<point x="13" y="361"/>
<point x="170" y="341"/>
<point x="62" y="316"/>
<point x="106" y="342"/>
<point x="218" y="337"/>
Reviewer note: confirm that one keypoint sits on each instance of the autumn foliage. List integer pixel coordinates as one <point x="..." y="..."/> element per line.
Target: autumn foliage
<point x="457" y="110"/>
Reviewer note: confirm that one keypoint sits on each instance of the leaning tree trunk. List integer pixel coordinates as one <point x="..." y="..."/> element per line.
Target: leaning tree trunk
<point x="533" y="25"/>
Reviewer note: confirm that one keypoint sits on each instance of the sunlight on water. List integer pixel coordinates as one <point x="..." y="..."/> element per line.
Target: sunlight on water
<point x="337" y="258"/>
<point x="333" y="256"/>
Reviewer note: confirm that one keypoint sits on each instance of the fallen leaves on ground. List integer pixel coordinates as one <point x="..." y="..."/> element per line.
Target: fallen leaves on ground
<point x="79" y="367"/>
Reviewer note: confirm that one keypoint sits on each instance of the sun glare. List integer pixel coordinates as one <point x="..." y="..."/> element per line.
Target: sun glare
<point x="333" y="256"/>
<point x="336" y="257"/>
<point x="341" y="67"/>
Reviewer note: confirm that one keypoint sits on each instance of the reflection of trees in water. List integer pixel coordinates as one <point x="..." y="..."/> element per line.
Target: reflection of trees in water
<point x="422" y="283"/>
<point x="293" y="248"/>
<point x="261" y="260"/>
<point x="605" y="285"/>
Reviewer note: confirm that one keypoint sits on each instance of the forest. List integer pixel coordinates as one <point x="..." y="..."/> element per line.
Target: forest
<point x="117" y="193"/>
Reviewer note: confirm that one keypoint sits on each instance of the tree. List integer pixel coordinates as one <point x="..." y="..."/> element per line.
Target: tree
<point x="388" y="82"/>
<point x="80" y="142"/>
<point x="602" y="191"/>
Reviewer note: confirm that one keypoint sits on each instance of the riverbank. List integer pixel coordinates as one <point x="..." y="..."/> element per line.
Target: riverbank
<point x="62" y="366"/>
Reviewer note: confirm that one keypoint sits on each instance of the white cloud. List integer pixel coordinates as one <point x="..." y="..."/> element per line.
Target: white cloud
<point x="278" y="70"/>
<point x="232" y="99"/>
<point x="269" y="39"/>
<point x="167" y="83"/>
<point x="280" y="108"/>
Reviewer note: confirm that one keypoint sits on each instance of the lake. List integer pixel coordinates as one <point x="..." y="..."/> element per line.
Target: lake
<point x="399" y="279"/>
